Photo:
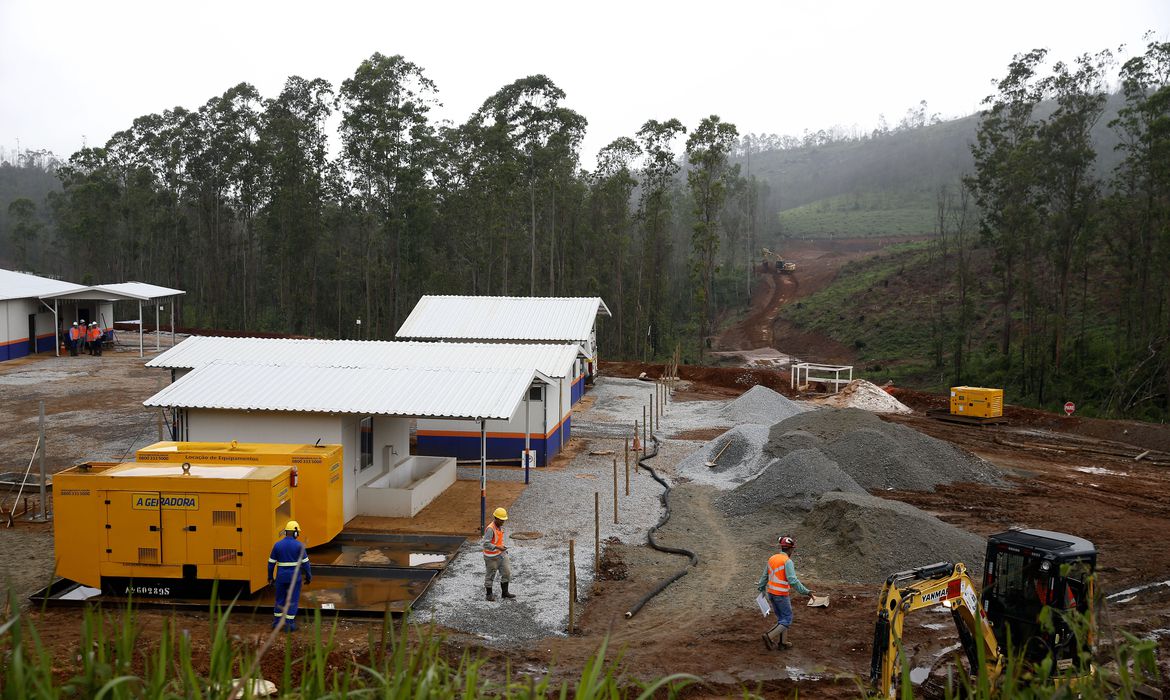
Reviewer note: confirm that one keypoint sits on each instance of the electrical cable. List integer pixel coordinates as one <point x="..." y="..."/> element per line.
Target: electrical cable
<point x="652" y="540"/>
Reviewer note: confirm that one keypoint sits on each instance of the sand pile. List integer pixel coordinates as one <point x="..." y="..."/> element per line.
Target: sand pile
<point x="761" y="405"/>
<point x="740" y="461"/>
<point x="859" y="538"/>
<point x="877" y="454"/>
<point x="867" y="396"/>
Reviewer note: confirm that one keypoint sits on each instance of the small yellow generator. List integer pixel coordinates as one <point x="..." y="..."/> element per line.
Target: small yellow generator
<point x="976" y="402"/>
<point x="168" y="529"/>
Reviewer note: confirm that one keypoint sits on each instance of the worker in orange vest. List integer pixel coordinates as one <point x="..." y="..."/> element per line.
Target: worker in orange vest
<point x="778" y="581"/>
<point x="95" y="339"/>
<point x="495" y="555"/>
<point x="74" y="337"/>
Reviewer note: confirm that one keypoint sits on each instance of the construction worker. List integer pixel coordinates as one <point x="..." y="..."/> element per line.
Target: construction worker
<point x="95" y="339"/>
<point x="292" y="565"/>
<point x="83" y="336"/>
<point x="495" y="554"/>
<point x="778" y="580"/>
<point x="74" y="338"/>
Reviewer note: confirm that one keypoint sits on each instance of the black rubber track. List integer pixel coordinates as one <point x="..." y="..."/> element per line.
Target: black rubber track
<point x="652" y="540"/>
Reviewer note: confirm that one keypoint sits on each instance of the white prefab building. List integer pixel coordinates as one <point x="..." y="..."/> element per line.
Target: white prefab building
<point x="471" y="319"/>
<point x="366" y="410"/>
<point x="547" y="412"/>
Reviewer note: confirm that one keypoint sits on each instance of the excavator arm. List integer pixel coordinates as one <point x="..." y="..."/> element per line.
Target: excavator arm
<point x="943" y="584"/>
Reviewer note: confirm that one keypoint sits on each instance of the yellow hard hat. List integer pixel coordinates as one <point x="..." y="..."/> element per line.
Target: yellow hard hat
<point x="292" y="526"/>
<point x="500" y="513"/>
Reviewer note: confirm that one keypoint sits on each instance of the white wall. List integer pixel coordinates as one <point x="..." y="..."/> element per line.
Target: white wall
<point x="542" y="415"/>
<point x="339" y="429"/>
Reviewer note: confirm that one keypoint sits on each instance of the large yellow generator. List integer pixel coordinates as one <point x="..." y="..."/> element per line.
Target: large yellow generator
<point x="319" y="505"/>
<point x="976" y="402"/>
<point x="187" y="514"/>
<point x="166" y="529"/>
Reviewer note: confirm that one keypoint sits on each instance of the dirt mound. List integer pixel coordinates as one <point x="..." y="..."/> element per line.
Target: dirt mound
<point x="761" y="405"/>
<point x="860" y="538"/>
<point x="794" y="481"/>
<point x="865" y="395"/>
<point x="738" y="455"/>
<point x="877" y="454"/>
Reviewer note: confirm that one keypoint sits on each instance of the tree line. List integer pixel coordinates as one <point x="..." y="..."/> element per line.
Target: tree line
<point x="243" y="203"/>
<point x="1080" y="271"/>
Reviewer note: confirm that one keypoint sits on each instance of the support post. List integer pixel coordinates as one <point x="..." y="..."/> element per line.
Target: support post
<point x="643" y="427"/>
<point x="157" y="337"/>
<point x="43" y="516"/>
<point x="141" y="323"/>
<point x="56" y="331"/>
<point x="527" y="431"/>
<point x="482" y="474"/>
<point x="572" y="586"/>
<point x="596" y="535"/>
<point x="615" y="494"/>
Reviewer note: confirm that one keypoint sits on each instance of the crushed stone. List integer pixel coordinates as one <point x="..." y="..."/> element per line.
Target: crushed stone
<point x="740" y="461"/>
<point x="761" y="405"/>
<point x="867" y="396"/>
<point x="880" y="455"/>
<point x="858" y="538"/>
<point x="794" y="481"/>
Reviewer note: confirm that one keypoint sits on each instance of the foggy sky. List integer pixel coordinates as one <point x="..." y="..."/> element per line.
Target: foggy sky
<point x="73" y="70"/>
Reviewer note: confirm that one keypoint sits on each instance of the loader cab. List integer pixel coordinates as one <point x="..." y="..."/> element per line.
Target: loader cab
<point x="1028" y="570"/>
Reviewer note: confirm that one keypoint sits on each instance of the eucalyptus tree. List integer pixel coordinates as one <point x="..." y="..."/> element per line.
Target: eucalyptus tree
<point x="660" y="167"/>
<point x="613" y="187"/>
<point x="544" y="134"/>
<point x="708" y="180"/>
<point x="24" y="230"/>
<point x="388" y="144"/>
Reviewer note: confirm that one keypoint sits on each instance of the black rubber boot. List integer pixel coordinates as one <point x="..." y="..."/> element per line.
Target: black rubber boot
<point x="505" y="593"/>
<point x="489" y="593"/>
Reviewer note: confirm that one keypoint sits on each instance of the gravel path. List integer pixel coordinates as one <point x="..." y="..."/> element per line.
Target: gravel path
<point x="618" y="403"/>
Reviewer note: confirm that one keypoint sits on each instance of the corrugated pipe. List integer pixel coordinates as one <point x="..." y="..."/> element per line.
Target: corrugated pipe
<point x="650" y="537"/>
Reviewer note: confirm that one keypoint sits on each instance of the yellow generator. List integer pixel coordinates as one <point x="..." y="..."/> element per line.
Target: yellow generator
<point x="976" y="402"/>
<point x="319" y="503"/>
<point x="169" y="529"/>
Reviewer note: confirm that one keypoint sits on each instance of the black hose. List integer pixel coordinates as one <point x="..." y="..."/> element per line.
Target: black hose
<point x="650" y="537"/>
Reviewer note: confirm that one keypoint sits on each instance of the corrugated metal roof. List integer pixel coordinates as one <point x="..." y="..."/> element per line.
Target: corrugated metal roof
<point x="503" y="318"/>
<point x="140" y="290"/>
<point x="439" y="393"/>
<point x="21" y="285"/>
<point x="198" y="351"/>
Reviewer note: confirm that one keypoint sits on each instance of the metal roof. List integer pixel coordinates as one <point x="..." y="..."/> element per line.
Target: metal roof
<point x="503" y="318"/>
<point x="122" y="291"/>
<point x="417" y="392"/>
<point x="198" y="351"/>
<point x="21" y="285"/>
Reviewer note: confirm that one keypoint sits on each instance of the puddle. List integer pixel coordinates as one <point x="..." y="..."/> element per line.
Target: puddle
<point x="1128" y="594"/>
<point x="1099" y="470"/>
<point x="30" y="378"/>
<point x="917" y="675"/>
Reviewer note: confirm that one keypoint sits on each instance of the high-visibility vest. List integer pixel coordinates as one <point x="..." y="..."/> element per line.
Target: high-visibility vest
<point x="497" y="541"/>
<point x="777" y="576"/>
<point x="73" y="333"/>
<point x="94" y="334"/>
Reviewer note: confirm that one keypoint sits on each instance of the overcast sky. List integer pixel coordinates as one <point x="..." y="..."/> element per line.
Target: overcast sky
<point x="73" y="70"/>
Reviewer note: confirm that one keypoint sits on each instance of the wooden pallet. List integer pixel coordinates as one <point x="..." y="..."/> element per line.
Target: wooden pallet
<point x="944" y="414"/>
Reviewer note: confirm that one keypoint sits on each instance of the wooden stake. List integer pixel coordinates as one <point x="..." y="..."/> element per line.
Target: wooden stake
<point x="596" y="535"/>
<point x="615" y="493"/>
<point x="627" y="467"/>
<point x="572" y="586"/>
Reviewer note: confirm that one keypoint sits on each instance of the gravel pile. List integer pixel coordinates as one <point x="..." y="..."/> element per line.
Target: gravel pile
<point x="740" y="461"/>
<point x="877" y="454"/>
<point x="865" y="395"/>
<point x="794" y="481"/>
<point x="761" y="405"/>
<point x="858" y="538"/>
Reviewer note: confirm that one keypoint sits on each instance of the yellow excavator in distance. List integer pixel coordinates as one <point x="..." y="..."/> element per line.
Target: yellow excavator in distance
<point x="1024" y="571"/>
<point x="782" y="265"/>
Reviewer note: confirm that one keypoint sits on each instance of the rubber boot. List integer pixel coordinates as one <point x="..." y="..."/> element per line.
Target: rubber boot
<point x="505" y="593"/>
<point x="290" y="626"/>
<point x="773" y="636"/>
<point x="784" y="643"/>
<point x="489" y="593"/>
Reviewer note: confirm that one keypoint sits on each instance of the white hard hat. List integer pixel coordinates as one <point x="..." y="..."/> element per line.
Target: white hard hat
<point x="75" y="323"/>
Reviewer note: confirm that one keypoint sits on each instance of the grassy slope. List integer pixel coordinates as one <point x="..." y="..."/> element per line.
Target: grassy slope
<point x="861" y="214"/>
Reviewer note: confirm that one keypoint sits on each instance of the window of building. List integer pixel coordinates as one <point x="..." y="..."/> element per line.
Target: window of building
<point x="366" y="442"/>
<point x="536" y="393"/>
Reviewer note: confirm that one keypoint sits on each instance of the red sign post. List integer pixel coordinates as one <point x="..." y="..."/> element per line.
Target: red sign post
<point x="1069" y="407"/>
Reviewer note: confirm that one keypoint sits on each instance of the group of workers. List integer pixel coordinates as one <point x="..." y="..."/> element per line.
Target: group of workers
<point x="288" y="567"/>
<point x="83" y="338"/>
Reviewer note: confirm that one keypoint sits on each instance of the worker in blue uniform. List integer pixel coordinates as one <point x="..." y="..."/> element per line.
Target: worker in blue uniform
<point x="292" y="566"/>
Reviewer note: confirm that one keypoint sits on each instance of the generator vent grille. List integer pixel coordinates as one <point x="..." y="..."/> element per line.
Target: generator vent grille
<point x="223" y="517"/>
<point x="148" y="555"/>
<point x="224" y="556"/>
